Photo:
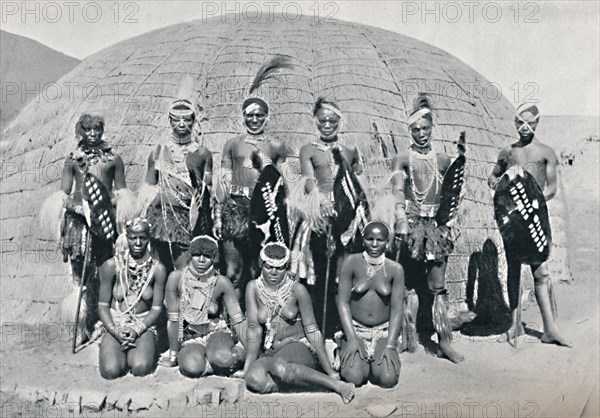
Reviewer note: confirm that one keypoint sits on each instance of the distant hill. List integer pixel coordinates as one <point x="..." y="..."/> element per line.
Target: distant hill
<point x="26" y="62"/>
<point x="562" y="132"/>
<point x="576" y="140"/>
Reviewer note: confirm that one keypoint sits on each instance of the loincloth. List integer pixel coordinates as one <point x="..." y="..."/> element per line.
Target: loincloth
<point x="428" y="241"/>
<point x="171" y="226"/>
<point x="198" y="334"/>
<point x="235" y="218"/>
<point x="73" y="236"/>
<point x="369" y="335"/>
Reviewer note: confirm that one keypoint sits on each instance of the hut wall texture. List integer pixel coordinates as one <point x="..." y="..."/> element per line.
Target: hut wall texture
<point x="371" y="73"/>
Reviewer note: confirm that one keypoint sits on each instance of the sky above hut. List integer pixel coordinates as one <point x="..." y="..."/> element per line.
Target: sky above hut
<point x="546" y="51"/>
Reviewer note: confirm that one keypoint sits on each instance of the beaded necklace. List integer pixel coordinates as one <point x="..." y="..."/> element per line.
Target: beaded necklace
<point x="134" y="277"/>
<point x="254" y="140"/>
<point x="374" y="264"/>
<point x="274" y="300"/>
<point x="327" y="147"/>
<point x="93" y="155"/>
<point x="196" y="296"/>
<point x="430" y="160"/>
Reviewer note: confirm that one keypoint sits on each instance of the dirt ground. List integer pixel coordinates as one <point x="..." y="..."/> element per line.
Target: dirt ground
<point x="534" y="380"/>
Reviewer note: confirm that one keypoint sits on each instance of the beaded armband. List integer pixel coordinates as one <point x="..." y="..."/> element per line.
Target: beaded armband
<point x="237" y="319"/>
<point x="173" y="316"/>
<point x="308" y="329"/>
<point x="103" y="304"/>
<point x="156" y="308"/>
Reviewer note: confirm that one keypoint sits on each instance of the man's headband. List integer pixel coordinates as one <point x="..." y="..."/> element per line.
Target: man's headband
<point x="138" y="221"/>
<point x="275" y="259"/>
<point x="418" y="115"/>
<point x="181" y="108"/>
<point x="332" y="108"/>
<point x="528" y="107"/>
<point x="253" y="103"/>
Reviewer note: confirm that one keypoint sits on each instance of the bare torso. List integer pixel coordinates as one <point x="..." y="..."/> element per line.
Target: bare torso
<point x="370" y="302"/>
<point x="422" y="171"/>
<point x="317" y="160"/>
<point x="534" y="157"/>
<point x="237" y="157"/>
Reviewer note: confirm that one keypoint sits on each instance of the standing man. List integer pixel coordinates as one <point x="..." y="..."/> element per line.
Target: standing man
<point x="540" y="161"/>
<point x="178" y="184"/>
<point x="94" y="155"/>
<point x="417" y="184"/>
<point x="244" y="157"/>
<point x="320" y="162"/>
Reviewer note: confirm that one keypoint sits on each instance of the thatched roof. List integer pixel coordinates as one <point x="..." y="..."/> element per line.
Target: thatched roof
<point x="371" y="73"/>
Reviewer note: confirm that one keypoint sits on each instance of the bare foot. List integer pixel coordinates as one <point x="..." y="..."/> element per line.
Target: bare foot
<point x="554" y="338"/>
<point x="447" y="351"/>
<point x="510" y="334"/>
<point x="346" y="391"/>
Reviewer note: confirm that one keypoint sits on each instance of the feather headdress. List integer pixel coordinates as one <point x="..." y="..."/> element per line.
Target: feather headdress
<point x="266" y="72"/>
<point x="183" y="106"/>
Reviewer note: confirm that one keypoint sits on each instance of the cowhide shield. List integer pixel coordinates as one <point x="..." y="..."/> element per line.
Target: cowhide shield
<point x="351" y="205"/>
<point x="201" y="222"/>
<point x="268" y="211"/>
<point x="522" y="216"/>
<point x="450" y="193"/>
<point x="102" y="217"/>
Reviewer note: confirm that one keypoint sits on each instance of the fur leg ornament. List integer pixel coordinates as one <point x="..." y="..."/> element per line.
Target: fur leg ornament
<point x="441" y="323"/>
<point x="307" y="205"/>
<point x="411" y="306"/>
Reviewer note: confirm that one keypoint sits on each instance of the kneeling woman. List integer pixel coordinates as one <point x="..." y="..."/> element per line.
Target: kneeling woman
<point x="195" y="298"/>
<point x="293" y="342"/>
<point x="132" y="285"/>
<point x="370" y="304"/>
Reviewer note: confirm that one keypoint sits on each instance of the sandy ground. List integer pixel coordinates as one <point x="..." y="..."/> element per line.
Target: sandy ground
<point x="534" y="380"/>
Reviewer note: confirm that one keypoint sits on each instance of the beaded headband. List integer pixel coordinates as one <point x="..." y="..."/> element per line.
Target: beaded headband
<point x="274" y="259"/>
<point x="181" y="108"/>
<point x="377" y="222"/>
<point x="204" y="245"/>
<point x="138" y="220"/>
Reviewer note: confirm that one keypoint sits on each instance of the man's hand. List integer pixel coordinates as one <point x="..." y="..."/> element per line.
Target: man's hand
<point x="216" y="230"/>
<point x="327" y="210"/>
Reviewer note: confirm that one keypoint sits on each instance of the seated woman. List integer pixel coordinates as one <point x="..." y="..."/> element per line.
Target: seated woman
<point x="370" y="304"/>
<point x="132" y="285"/>
<point x="293" y="342"/>
<point x="195" y="298"/>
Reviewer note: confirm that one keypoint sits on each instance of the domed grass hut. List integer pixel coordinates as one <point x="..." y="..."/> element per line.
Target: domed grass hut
<point x="371" y="73"/>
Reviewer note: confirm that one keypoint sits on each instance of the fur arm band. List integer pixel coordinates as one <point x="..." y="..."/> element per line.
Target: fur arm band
<point x="51" y="213"/>
<point x="307" y="206"/>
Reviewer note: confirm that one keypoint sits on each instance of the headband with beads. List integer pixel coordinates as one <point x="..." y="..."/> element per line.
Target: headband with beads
<point x="274" y="261"/>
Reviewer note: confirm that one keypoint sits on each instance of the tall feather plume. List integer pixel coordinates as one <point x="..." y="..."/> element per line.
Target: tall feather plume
<point x="268" y="70"/>
<point x="421" y="101"/>
<point x="186" y="87"/>
<point x="318" y="104"/>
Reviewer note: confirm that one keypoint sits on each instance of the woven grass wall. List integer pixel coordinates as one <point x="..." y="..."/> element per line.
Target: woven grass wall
<point x="372" y="74"/>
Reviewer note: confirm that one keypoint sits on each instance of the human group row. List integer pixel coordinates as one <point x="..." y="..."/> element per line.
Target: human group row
<point x="254" y="272"/>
